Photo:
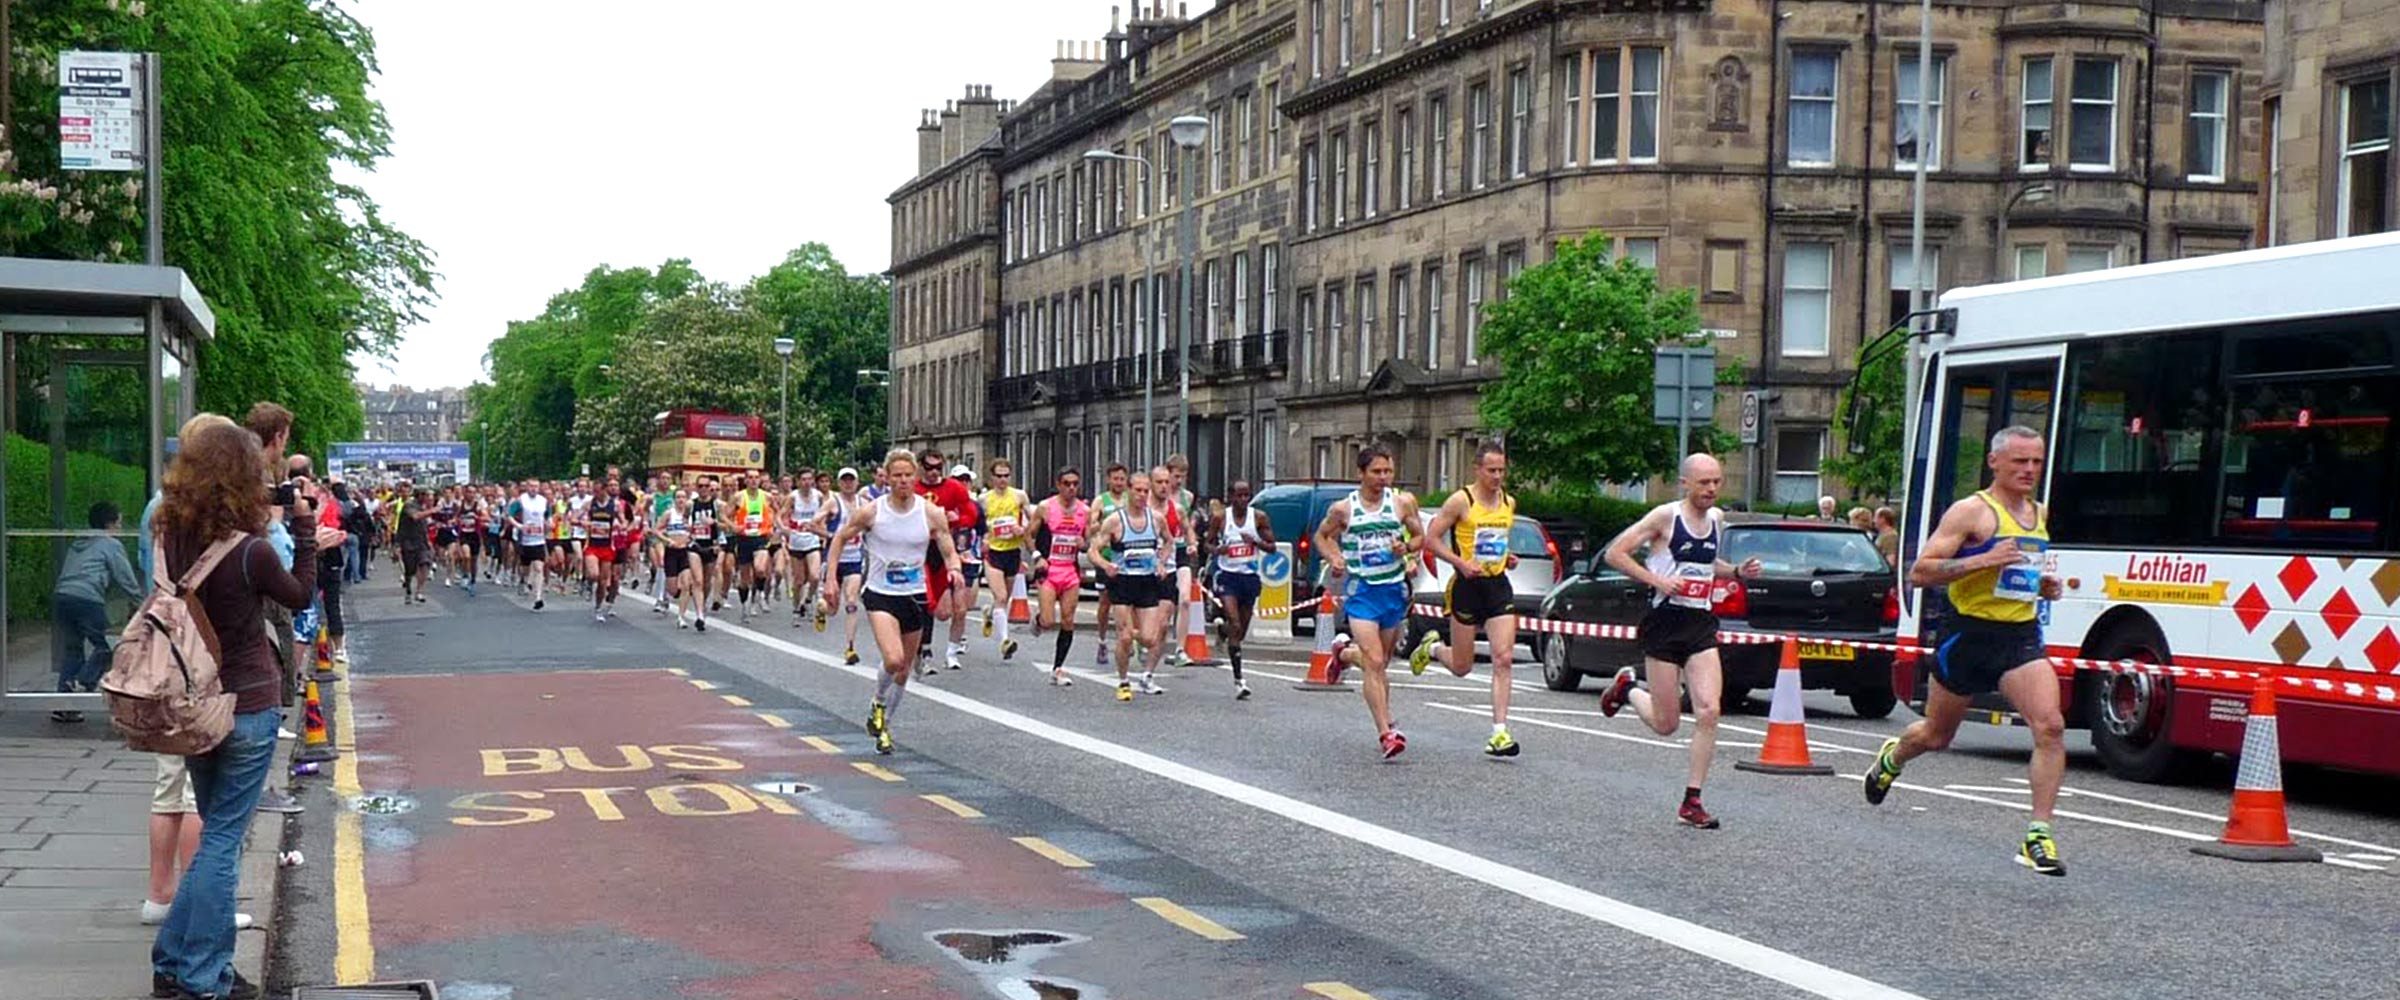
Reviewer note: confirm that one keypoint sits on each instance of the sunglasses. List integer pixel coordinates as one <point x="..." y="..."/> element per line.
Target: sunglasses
<point x="1070" y="482"/>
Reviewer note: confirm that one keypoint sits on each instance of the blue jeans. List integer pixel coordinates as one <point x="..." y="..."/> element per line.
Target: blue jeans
<point x="195" y="944"/>
<point x="354" y="568"/>
<point x="81" y="622"/>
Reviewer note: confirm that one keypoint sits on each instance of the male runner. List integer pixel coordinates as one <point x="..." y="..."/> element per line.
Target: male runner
<point x="662" y="498"/>
<point x="604" y="521"/>
<point x="970" y="553"/>
<point x="1003" y="547"/>
<point x="708" y="524"/>
<point x="1186" y="506"/>
<point x="958" y="509"/>
<point x="754" y="518"/>
<point x="1477" y="521"/>
<point x="1180" y="543"/>
<point x="803" y="518"/>
<point x="850" y="561"/>
<point x="1109" y="502"/>
<point x="675" y="527"/>
<point x="529" y="516"/>
<point x="1059" y="525"/>
<point x="1679" y="635"/>
<point x="579" y="506"/>
<point x="445" y="535"/>
<point x="899" y="532"/>
<point x="1240" y="536"/>
<point x="1136" y="577"/>
<point x="1988" y="550"/>
<point x="1367" y="538"/>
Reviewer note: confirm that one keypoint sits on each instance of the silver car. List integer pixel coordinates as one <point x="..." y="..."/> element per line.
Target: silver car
<point x="1538" y="569"/>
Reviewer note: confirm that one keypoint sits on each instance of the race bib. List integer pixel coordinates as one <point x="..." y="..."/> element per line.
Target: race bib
<point x="1491" y="549"/>
<point x="1004" y="527"/>
<point x="2023" y="581"/>
<point x="1139" y="561"/>
<point x="909" y="577"/>
<point x="1065" y="546"/>
<point x="1236" y="551"/>
<point x="1375" y="552"/>
<point x="1693" y="584"/>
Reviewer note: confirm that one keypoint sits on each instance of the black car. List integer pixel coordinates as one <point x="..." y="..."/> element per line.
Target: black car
<point x="1821" y="580"/>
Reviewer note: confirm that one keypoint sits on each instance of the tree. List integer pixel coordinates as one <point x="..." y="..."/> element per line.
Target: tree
<point x="840" y="323"/>
<point x="1868" y="457"/>
<point x="262" y="99"/>
<point x="542" y="366"/>
<point x="1574" y="342"/>
<point x="723" y="359"/>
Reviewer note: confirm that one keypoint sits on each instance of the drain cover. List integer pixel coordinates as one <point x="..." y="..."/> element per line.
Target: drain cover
<point x="380" y="804"/>
<point x="784" y="787"/>
<point x="419" y="990"/>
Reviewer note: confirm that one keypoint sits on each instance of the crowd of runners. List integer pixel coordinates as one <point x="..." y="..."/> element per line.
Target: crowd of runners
<point x="911" y="549"/>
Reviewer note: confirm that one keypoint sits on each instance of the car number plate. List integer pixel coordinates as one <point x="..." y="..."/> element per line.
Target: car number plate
<point x="1826" y="651"/>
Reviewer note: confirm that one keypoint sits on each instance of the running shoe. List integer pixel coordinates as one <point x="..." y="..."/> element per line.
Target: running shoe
<point x="1059" y="678"/>
<point x="470" y="586"/>
<point x="599" y="615"/>
<point x="883" y="742"/>
<point x="1422" y="656"/>
<point x="797" y="618"/>
<point x="700" y="624"/>
<point x="1149" y="686"/>
<point x="820" y="618"/>
<point x="1692" y="815"/>
<point x="2040" y="853"/>
<point x="850" y="656"/>
<point x="987" y="624"/>
<point x="1500" y="745"/>
<point x="1008" y="649"/>
<point x="1613" y="700"/>
<point x="1241" y="690"/>
<point x="537" y="603"/>
<point x="1882" y="772"/>
<point x="1393" y="742"/>
<point x="1341" y="644"/>
<point x="875" y="718"/>
<point x="951" y="656"/>
<point x="660" y="608"/>
<point x="1100" y="656"/>
<point x="1124" y="691"/>
<point x="681" y="621"/>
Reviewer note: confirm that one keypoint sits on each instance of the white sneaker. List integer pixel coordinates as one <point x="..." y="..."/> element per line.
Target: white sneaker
<point x="154" y="914"/>
<point x="1241" y="690"/>
<point x="1059" y="678"/>
<point x="285" y="734"/>
<point x="1148" y="686"/>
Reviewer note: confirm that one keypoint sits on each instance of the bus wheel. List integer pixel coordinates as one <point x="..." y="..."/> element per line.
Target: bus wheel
<point x="2129" y="713"/>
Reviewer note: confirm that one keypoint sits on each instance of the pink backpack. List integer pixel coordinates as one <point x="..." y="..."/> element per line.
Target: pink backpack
<point x="162" y="686"/>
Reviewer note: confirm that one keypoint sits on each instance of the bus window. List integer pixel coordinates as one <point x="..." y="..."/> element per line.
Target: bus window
<point x="2309" y="460"/>
<point x="2143" y="417"/>
<point x="1981" y="401"/>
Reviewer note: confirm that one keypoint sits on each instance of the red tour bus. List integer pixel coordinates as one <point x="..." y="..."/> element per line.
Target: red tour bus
<point x="692" y="443"/>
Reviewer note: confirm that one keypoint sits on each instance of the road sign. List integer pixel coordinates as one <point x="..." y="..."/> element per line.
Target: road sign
<point x="1749" y="426"/>
<point x="1685" y="384"/>
<point x="99" y="111"/>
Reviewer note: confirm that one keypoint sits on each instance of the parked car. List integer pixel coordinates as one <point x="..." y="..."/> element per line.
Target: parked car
<point x="1822" y="580"/>
<point x="1538" y="569"/>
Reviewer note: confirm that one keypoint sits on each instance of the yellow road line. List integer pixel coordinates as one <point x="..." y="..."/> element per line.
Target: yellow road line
<point x="679" y="671"/>
<point x="354" y="943"/>
<point x="703" y="685"/>
<point x="735" y="700"/>
<point x="821" y="744"/>
<point x="876" y="771"/>
<point x="775" y="720"/>
<point x="1338" y="991"/>
<point x="1052" y="851"/>
<point x="1168" y="911"/>
<point x="957" y="808"/>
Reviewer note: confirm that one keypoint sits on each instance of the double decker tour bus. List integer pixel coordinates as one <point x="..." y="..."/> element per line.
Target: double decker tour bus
<point x="2221" y="490"/>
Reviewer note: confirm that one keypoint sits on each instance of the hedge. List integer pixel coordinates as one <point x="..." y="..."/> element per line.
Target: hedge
<point x="32" y="565"/>
<point x="1600" y="518"/>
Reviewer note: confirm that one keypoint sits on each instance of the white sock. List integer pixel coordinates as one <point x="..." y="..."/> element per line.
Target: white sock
<point x="1499" y="727"/>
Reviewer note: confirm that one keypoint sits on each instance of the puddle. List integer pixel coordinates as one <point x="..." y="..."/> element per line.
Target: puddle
<point x="780" y="787"/>
<point x="852" y="823"/>
<point x="382" y="804"/>
<point x="895" y="859"/>
<point x="1004" y="961"/>
<point x="478" y="991"/>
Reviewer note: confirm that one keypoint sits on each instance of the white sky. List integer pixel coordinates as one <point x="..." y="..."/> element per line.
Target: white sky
<point x="536" y="139"/>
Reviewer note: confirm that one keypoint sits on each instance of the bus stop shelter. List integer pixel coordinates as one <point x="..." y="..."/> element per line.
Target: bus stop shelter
<point x="96" y="366"/>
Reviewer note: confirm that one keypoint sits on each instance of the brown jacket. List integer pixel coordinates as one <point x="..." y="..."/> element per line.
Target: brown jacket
<point x="235" y="596"/>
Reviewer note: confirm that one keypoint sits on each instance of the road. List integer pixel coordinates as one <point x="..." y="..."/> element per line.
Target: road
<point x="623" y="809"/>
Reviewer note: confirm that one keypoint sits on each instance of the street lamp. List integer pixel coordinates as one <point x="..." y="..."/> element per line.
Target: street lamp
<point x="783" y="405"/>
<point x="1188" y="131"/>
<point x="2028" y="194"/>
<point x="1149" y="352"/>
<point x="868" y="378"/>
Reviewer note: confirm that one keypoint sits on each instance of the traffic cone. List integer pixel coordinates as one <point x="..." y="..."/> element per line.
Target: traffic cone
<point x="1786" y="749"/>
<point x="1019" y="611"/>
<point x="1195" y="621"/>
<point x="2255" y="829"/>
<point x="315" y="746"/>
<point x="1320" y="659"/>
<point x="322" y="660"/>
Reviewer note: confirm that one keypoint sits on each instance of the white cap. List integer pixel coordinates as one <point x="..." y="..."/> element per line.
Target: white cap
<point x="846" y="473"/>
<point x="962" y="472"/>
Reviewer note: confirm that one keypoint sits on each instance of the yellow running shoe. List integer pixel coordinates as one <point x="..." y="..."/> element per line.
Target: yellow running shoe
<point x="1125" y="691"/>
<point x="1500" y="745"/>
<point x="1422" y="656"/>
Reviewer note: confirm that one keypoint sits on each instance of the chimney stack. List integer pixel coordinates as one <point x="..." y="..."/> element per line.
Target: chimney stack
<point x="929" y="143"/>
<point x="951" y="133"/>
<point x="978" y="116"/>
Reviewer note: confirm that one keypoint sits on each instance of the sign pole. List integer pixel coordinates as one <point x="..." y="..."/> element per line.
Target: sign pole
<point x="153" y="164"/>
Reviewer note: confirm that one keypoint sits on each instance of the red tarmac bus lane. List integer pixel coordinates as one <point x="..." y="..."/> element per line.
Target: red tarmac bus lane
<point x="553" y="806"/>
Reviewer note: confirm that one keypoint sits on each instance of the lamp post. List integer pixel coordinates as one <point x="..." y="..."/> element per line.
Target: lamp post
<point x="1188" y="131"/>
<point x="2028" y="194"/>
<point x="1149" y="355"/>
<point x="868" y="378"/>
<point x="1912" y="365"/>
<point x="783" y="405"/>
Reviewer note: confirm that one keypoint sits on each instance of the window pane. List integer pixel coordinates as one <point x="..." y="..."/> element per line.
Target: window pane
<point x="2032" y="262"/>
<point x="2092" y="128"/>
<point x="2308" y="463"/>
<point x="2035" y="149"/>
<point x="1605" y="68"/>
<point x="1807" y="298"/>
<point x="1798" y="453"/>
<point x="2369" y="118"/>
<point x="2081" y="259"/>
<point x="2142" y="416"/>
<point x="1812" y="107"/>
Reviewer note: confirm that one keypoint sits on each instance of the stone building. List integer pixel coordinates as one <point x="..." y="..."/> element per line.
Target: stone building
<point x="945" y="281"/>
<point x="2331" y="69"/>
<point x="400" y="413"/>
<point x="1419" y="153"/>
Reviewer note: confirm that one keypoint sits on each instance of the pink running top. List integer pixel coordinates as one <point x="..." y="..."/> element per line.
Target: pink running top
<point x="1066" y="527"/>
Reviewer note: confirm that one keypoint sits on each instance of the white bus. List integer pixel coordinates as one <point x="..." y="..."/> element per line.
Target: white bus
<point x="2222" y="488"/>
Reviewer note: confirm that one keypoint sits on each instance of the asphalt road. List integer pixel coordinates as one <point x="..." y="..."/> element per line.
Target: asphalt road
<point x="1560" y="873"/>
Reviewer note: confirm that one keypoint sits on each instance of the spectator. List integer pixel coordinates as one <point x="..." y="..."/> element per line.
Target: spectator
<point x="213" y="493"/>
<point x="272" y="425"/>
<point x="1887" y="534"/>
<point x="331" y="541"/>
<point x="1826" y="508"/>
<point x="1860" y="519"/>
<point x="94" y="564"/>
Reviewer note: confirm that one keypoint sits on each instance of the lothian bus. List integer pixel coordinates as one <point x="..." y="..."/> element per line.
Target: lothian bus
<point x="2221" y="487"/>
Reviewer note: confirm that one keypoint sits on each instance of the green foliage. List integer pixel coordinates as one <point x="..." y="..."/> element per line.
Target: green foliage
<point x="1870" y="462"/>
<point x="1574" y="344"/>
<point x="723" y="359"/>
<point x="543" y="365"/>
<point x="263" y="98"/>
<point x="840" y="324"/>
<point x="32" y="562"/>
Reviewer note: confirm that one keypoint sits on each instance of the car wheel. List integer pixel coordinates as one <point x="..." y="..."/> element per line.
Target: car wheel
<point x="1556" y="675"/>
<point x="2129" y="714"/>
<point x="1873" y="703"/>
<point x="1734" y="700"/>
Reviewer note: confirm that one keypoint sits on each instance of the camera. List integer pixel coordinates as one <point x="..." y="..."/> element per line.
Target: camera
<point x="287" y="494"/>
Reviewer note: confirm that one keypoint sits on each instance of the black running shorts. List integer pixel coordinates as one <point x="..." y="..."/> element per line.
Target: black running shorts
<point x="1977" y="653"/>
<point x="909" y="610"/>
<point x="529" y="553"/>
<point x="1131" y="591"/>
<point x="1009" y="562"/>
<point x="1675" y="633"/>
<point x="1475" y="600"/>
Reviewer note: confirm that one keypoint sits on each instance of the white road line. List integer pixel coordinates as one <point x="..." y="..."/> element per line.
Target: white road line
<point x="1486" y="710"/>
<point x="1738" y="952"/>
<point x="1516" y="711"/>
<point x="2211" y="817"/>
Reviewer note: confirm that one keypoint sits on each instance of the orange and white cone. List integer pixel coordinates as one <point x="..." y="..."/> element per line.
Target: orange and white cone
<point x="323" y="657"/>
<point x="1786" y="749"/>
<point x="315" y="746"/>
<point x="2255" y="829"/>
<point x="1195" y="623"/>
<point x="1320" y="660"/>
<point x="1019" y="612"/>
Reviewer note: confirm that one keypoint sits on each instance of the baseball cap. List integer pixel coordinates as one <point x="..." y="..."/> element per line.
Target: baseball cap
<point x="962" y="472"/>
<point x="846" y="473"/>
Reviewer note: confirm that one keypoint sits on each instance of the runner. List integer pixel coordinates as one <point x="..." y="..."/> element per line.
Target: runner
<point x="414" y="537"/>
<point x="1179" y="469"/>
<point x="850" y="561"/>
<point x="899" y="532"/>
<point x="1366" y="539"/>
<point x="663" y="495"/>
<point x="529" y="516"/>
<point x="1003" y="547"/>
<point x="562" y="554"/>
<point x="1176" y="548"/>
<point x="708" y="524"/>
<point x="472" y="515"/>
<point x="445" y="535"/>
<point x="1136" y="578"/>
<point x="1477" y="520"/>
<point x="970" y="554"/>
<point x="496" y="545"/>
<point x="1679" y="635"/>
<point x="1239" y="537"/>
<point x="958" y="509"/>
<point x="604" y="522"/>
<point x="578" y="523"/>
<point x="753" y="513"/>
<point x="1988" y="550"/>
<point x="1119" y="479"/>
<point x="1059" y="525"/>
<point x="804" y="549"/>
<point x="675" y="529"/>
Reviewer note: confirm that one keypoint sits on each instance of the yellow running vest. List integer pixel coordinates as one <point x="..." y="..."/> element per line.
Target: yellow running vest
<point x="1482" y="535"/>
<point x="1004" y="519"/>
<point x="2004" y="593"/>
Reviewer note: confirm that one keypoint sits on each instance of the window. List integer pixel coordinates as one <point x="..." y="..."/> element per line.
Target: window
<point x="1479" y="136"/>
<point x="1170" y="163"/>
<point x="1268" y="257"/>
<point x="1041" y="211"/>
<point x="1443" y="450"/>
<point x="1340" y="154"/>
<point x="1799" y="453"/>
<point x="1116" y="318"/>
<point x="1316" y="38"/>
<point x="1904" y="277"/>
<point x="2092" y="116"/>
<point x="1471" y="281"/>
<point x="1007" y="249"/>
<point x="1370" y="141"/>
<point x="2273" y="206"/>
<point x="1245" y="129"/>
<point x="1162" y="296"/>
<point x="1512" y="263"/>
<point x="1812" y="106"/>
<point x="1437" y="139"/>
<point x="1606" y="93"/>
<point x="1341" y="41"/>
<point x="1911" y="117"/>
<point x="2363" y="192"/>
<point x="1333" y="332"/>
<point x="1274" y="128"/>
<point x="1321" y="455"/>
<point x="1141" y="321"/>
<point x="1433" y="316"/>
<point x="1309" y="181"/>
<point x="1400" y="327"/>
<point x="1570" y="88"/>
<point x="1408" y="32"/>
<point x="1075" y="190"/>
<point x="1642" y="250"/>
<point x="1217" y="180"/>
<point x="1520" y="121"/>
<point x="1141" y="190"/>
<point x="1116" y="188"/>
<point x="1367" y="304"/>
<point x="1216" y="302"/>
<point x="2207" y="101"/>
<point x="1308" y="334"/>
<point x="1807" y="299"/>
<point x="2033" y="149"/>
<point x="1375" y="27"/>
<point x="1034" y="350"/>
<point x="2081" y="259"/>
<point x="1404" y="155"/>
<point x="1642" y="105"/>
<point x="1441" y="13"/>
<point x="1241" y="294"/>
<point x="2033" y="261"/>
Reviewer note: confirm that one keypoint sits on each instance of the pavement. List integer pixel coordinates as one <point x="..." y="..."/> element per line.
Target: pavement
<point x="74" y="863"/>
<point x="622" y="809"/>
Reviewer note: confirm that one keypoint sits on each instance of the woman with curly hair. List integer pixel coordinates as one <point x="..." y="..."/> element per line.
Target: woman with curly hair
<point x="213" y="493"/>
